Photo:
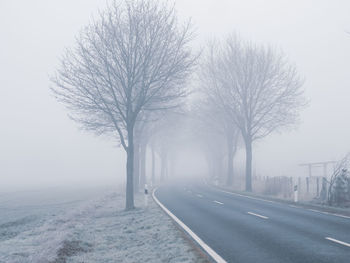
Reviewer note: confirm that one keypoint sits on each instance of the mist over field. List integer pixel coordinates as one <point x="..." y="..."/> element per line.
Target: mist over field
<point x="40" y="146"/>
<point x="115" y="114"/>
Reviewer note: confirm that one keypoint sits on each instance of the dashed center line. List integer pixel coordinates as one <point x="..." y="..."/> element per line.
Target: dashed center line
<point x="217" y="202"/>
<point x="253" y="214"/>
<point x="200" y="196"/>
<point x="246" y="196"/>
<point x="313" y="210"/>
<point x="269" y="201"/>
<point x="338" y="241"/>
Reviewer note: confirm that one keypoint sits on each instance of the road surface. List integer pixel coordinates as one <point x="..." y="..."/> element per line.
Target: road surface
<point x="246" y="229"/>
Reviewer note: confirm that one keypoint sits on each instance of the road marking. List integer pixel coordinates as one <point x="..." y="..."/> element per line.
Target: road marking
<point x="294" y="206"/>
<point x="200" y="196"/>
<point x="340" y="215"/>
<point x="338" y="241"/>
<point x="204" y="246"/>
<point x="313" y="210"/>
<point x="246" y="196"/>
<point x="218" y="202"/>
<point x="269" y="201"/>
<point x="264" y="217"/>
<point x="327" y="213"/>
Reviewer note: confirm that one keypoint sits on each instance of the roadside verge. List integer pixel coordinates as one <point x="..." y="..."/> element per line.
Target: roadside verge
<point x="216" y="257"/>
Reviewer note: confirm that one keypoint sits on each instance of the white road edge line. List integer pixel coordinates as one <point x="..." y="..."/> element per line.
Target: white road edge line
<point x="264" y="217"/>
<point x="218" y="202"/>
<point x="200" y="196"/>
<point x="338" y="241"/>
<point x="200" y="242"/>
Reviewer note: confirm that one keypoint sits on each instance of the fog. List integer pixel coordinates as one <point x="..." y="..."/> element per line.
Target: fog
<point x="41" y="147"/>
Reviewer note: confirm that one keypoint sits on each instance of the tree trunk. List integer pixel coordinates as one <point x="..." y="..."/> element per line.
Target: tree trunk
<point x="129" y="201"/>
<point x="220" y="168"/>
<point x="210" y="167"/>
<point x="230" y="150"/>
<point x="248" y="164"/>
<point x="167" y="166"/>
<point x="153" y="166"/>
<point x="143" y="149"/>
<point x="164" y="168"/>
<point x="136" y="167"/>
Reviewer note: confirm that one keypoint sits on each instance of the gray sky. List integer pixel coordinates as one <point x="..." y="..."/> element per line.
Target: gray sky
<point x="40" y="146"/>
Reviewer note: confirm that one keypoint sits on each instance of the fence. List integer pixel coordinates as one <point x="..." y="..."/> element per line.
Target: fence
<point x="309" y="188"/>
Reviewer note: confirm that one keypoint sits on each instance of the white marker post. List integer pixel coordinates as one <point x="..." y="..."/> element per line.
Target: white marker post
<point x="146" y="195"/>
<point x="295" y="193"/>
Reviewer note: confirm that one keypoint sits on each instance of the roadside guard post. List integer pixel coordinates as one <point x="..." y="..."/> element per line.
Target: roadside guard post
<point x="295" y="193"/>
<point x="146" y="195"/>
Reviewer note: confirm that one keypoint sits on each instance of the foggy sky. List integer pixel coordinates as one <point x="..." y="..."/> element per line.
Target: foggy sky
<point x="40" y="146"/>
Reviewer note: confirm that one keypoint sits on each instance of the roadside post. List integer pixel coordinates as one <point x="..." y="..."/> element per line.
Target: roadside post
<point x="295" y="193"/>
<point x="146" y="195"/>
<point x="216" y="181"/>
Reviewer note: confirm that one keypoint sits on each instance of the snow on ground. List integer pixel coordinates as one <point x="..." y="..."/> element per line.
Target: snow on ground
<point x="97" y="230"/>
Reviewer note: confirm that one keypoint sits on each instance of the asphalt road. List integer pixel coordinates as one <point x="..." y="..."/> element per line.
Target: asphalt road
<point x="243" y="229"/>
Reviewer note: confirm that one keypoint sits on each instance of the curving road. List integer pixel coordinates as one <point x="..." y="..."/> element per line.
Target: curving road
<point x="246" y="229"/>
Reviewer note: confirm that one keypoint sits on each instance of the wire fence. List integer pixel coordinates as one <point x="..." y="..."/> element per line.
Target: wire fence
<point x="309" y="188"/>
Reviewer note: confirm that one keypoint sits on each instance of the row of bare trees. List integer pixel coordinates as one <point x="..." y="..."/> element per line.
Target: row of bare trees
<point x="153" y="132"/>
<point x="251" y="89"/>
<point x="132" y="60"/>
<point x="127" y="74"/>
<point x="219" y="138"/>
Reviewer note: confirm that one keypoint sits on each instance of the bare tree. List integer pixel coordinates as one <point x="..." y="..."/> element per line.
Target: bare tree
<point x="339" y="184"/>
<point x="143" y="130"/>
<point x="257" y="88"/>
<point x="213" y="145"/>
<point x="135" y="57"/>
<point x="210" y="118"/>
<point x="164" y="134"/>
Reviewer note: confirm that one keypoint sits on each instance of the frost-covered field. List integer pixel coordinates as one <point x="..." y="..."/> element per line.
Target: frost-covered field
<point x="90" y="226"/>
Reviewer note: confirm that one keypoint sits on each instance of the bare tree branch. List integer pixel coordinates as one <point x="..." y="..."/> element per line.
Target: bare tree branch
<point x="134" y="57"/>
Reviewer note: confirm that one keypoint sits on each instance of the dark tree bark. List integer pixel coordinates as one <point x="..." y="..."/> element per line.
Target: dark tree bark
<point x="153" y="166"/>
<point x="218" y="168"/>
<point x="129" y="204"/>
<point x="230" y="154"/>
<point x="162" y="169"/>
<point x="143" y="180"/>
<point x="134" y="59"/>
<point x="136" y="166"/>
<point x="248" y="165"/>
<point x="164" y="166"/>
